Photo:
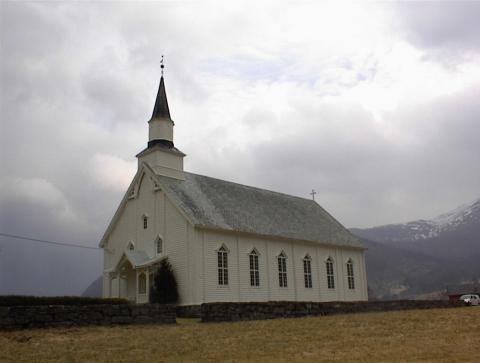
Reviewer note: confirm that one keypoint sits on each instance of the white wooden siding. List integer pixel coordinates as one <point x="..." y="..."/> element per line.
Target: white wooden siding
<point x="239" y="288"/>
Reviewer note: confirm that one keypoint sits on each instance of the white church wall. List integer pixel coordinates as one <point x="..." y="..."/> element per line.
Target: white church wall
<point x="239" y="288"/>
<point x="195" y="266"/>
<point x="123" y="232"/>
<point x="175" y="245"/>
<point x="145" y="206"/>
<point x="276" y="292"/>
<point x="164" y="220"/>
<point x="323" y="254"/>
<point x="300" y="252"/>
<point x="213" y="291"/>
<point x="159" y="220"/>
<point x="356" y="293"/>
<point x="248" y="292"/>
<point x="164" y="163"/>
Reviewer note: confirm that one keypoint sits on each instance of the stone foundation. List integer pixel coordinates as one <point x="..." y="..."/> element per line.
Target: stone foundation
<point x="284" y="309"/>
<point x="20" y="317"/>
<point x="189" y="311"/>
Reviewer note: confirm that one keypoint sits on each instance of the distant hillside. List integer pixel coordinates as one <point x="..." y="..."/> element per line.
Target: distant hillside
<point x="455" y="234"/>
<point x="394" y="273"/>
<point x="94" y="289"/>
<point x="423" y="256"/>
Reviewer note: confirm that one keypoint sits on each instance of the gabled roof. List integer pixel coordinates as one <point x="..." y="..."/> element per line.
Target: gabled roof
<point x="219" y="204"/>
<point x="137" y="259"/>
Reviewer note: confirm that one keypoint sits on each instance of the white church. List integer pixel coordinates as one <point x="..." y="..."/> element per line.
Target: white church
<point x="226" y="241"/>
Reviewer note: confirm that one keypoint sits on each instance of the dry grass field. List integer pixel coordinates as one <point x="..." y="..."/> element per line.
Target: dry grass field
<point x="440" y="335"/>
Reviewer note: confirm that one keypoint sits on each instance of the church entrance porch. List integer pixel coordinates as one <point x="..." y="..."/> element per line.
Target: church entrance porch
<point x="130" y="283"/>
<point x="132" y="277"/>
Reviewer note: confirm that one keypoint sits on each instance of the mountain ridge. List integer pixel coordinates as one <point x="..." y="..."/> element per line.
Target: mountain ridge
<point x="427" y="255"/>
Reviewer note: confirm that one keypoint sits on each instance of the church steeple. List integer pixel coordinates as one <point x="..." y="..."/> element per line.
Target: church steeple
<point x="161" y="154"/>
<point x="161" y="104"/>
<point x="160" y="126"/>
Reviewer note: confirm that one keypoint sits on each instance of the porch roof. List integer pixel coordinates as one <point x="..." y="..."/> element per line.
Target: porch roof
<point x="137" y="259"/>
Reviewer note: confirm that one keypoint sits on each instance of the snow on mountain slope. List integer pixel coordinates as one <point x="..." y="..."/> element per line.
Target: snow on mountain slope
<point x="459" y="218"/>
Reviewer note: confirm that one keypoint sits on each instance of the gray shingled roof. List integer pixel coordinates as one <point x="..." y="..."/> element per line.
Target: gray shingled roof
<point x="220" y="204"/>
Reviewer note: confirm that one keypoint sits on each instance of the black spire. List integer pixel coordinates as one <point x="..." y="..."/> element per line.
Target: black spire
<point x="161" y="111"/>
<point x="161" y="104"/>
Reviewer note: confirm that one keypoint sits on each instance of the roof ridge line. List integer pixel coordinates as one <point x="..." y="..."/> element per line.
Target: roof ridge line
<point x="252" y="187"/>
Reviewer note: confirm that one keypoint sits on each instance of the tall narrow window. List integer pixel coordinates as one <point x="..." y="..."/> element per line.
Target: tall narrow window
<point x="330" y="274"/>
<point x="145" y="222"/>
<point x="142" y="283"/>
<point x="159" y="246"/>
<point x="222" y="256"/>
<point x="254" y="270"/>
<point x="282" y="270"/>
<point x="350" y="277"/>
<point x="307" y="271"/>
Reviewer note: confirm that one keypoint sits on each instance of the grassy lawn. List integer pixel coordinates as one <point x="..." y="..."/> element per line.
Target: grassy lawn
<point x="417" y="335"/>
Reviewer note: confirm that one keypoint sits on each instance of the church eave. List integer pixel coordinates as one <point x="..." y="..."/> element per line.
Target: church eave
<point x="159" y="146"/>
<point x="277" y="237"/>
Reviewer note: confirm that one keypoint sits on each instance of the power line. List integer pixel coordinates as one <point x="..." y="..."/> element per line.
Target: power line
<point x="48" y="242"/>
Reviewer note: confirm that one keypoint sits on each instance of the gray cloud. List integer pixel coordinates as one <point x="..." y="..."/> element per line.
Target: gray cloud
<point x="448" y="29"/>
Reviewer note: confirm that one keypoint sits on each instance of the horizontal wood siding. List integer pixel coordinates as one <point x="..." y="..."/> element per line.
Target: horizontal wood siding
<point x="164" y="220"/>
<point x="239" y="288"/>
<point x="176" y="248"/>
<point x="213" y="291"/>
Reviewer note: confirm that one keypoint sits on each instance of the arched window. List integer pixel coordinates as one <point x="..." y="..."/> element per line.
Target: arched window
<point x="350" y="277"/>
<point x="159" y="246"/>
<point x="330" y="274"/>
<point x="222" y="262"/>
<point x="282" y="269"/>
<point x="307" y="271"/>
<point x="142" y="283"/>
<point x="131" y="246"/>
<point x="254" y="268"/>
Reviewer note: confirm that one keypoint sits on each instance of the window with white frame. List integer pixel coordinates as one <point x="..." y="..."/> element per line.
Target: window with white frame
<point x="330" y="273"/>
<point x="350" y="276"/>
<point x="131" y="246"/>
<point x="222" y="262"/>
<point x="254" y="269"/>
<point x="159" y="246"/>
<point x="307" y="271"/>
<point x="145" y="221"/>
<point x="282" y="269"/>
<point x="142" y="283"/>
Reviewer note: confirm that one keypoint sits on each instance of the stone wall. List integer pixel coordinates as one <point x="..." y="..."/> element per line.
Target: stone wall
<point x="19" y="317"/>
<point x="283" y="309"/>
<point x="188" y="311"/>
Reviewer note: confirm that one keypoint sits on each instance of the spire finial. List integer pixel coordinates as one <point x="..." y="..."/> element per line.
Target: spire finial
<point x="162" y="66"/>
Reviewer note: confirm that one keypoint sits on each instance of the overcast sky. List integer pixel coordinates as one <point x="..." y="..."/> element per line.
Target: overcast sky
<point x="373" y="105"/>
